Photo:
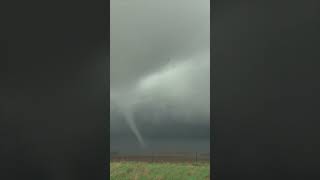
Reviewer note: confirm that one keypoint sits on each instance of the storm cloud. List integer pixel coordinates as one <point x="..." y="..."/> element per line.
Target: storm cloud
<point x="160" y="71"/>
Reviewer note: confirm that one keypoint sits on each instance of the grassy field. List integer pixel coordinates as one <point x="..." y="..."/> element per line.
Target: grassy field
<point x="159" y="171"/>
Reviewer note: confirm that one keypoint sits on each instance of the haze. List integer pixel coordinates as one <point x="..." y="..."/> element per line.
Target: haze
<point x="160" y="75"/>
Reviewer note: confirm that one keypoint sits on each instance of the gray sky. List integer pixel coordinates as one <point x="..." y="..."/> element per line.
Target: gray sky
<point x="160" y="73"/>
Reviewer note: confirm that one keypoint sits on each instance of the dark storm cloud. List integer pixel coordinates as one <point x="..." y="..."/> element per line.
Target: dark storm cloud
<point x="145" y="34"/>
<point x="160" y="72"/>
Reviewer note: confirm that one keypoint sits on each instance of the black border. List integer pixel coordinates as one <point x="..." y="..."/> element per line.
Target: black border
<point x="265" y="84"/>
<point x="44" y="26"/>
<point x="212" y="132"/>
<point x="107" y="87"/>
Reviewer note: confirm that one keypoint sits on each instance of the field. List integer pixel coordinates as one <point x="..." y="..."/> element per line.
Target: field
<point x="130" y="170"/>
<point x="186" y="157"/>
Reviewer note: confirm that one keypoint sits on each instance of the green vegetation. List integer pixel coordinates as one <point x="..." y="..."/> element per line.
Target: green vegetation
<point x="159" y="171"/>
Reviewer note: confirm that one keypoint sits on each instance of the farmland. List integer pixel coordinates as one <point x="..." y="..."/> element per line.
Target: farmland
<point x="192" y="157"/>
<point x="133" y="170"/>
<point x="172" y="166"/>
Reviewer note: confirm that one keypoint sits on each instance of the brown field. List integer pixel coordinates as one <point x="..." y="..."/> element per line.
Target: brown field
<point x="163" y="157"/>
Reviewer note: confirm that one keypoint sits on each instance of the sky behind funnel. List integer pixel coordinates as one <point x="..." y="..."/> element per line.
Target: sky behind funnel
<point x="160" y="73"/>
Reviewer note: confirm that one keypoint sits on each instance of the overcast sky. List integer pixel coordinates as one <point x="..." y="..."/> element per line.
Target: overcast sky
<point x="160" y="74"/>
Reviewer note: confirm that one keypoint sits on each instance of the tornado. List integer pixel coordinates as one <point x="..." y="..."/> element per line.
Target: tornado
<point x="126" y="107"/>
<point x="132" y="124"/>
